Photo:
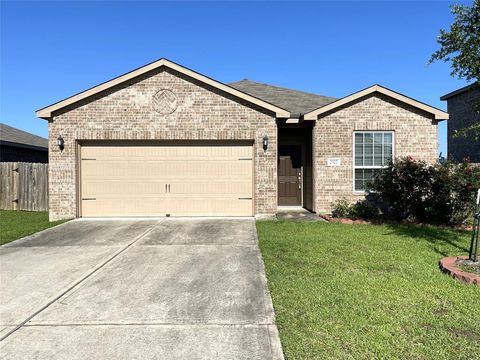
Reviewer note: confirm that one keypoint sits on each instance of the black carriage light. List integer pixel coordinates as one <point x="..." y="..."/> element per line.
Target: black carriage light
<point x="265" y="142"/>
<point x="60" y="143"/>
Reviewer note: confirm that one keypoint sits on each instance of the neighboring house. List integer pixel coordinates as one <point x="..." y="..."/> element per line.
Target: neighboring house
<point x="21" y="146"/>
<point x="163" y="139"/>
<point x="460" y="107"/>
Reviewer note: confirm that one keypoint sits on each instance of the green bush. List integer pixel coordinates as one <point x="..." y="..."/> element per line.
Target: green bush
<point x="341" y="208"/>
<point x="441" y="193"/>
<point x="363" y="209"/>
<point x="453" y="193"/>
<point x="403" y="186"/>
<point x="413" y="190"/>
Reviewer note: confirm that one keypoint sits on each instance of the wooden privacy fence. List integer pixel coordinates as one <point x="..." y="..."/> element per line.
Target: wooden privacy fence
<point x="23" y="186"/>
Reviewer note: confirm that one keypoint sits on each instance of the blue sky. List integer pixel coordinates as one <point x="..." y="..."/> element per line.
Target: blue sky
<point x="51" y="50"/>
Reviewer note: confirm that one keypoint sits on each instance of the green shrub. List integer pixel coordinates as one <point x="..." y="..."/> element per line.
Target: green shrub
<point x="453" y="192"/>
<point x="441" y="193"/>
<point x="413" y="190"/>
<point x="403" y="185"/>
<point x="342" y="208"/>
<point x="363" y="209"/>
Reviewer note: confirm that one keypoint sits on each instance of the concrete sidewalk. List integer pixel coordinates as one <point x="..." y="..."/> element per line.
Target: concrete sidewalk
<point x="127" y="289"/>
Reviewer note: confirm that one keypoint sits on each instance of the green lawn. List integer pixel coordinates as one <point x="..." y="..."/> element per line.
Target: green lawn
<point x="369" y="291"/>
<point x="16" y="224"/>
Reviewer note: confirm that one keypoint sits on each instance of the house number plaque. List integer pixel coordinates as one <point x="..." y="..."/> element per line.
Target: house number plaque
<point x="334" y="162"/>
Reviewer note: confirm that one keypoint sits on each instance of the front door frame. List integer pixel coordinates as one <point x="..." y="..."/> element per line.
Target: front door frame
<point x="300" y="175"/>
<point x="300" y="134"/>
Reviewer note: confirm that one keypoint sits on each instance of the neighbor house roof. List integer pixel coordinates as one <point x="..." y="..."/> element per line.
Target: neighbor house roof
<point x="16" y="137"/>
<point x="459" y="91"/>
<point x="46" y="112"/>
<point x="295" y="101"/>
<point x="437" y="113"/>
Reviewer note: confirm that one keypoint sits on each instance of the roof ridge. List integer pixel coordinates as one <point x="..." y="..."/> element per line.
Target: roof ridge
<point x="281" y="87"/>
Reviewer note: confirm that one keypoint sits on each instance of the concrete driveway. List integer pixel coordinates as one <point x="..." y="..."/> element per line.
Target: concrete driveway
<point x="137" y="289"/>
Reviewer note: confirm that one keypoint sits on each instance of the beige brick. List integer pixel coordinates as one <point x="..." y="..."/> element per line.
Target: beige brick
<point x="415" y="135"/>
<point x="126" y="113"/>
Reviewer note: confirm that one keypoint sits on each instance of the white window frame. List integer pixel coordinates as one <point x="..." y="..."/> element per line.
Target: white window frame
<point x="354" y="167"/>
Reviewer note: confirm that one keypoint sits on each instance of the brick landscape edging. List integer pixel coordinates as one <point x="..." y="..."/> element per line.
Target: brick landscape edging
<point x="447" y="265"/>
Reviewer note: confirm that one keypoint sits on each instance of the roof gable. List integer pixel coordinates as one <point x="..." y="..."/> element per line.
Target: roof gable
<point x="437" y="113"/>
<point x="46" y="112"/>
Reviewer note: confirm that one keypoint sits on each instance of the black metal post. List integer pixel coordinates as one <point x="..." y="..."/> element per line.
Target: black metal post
<point x="473" y="252"/>
<point x="474" y="256"/>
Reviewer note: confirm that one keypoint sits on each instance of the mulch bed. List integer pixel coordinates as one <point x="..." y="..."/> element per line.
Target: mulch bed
<point x="344" y="220"/>
<point x="450" y="265"/>
<point x="385" y="221"/>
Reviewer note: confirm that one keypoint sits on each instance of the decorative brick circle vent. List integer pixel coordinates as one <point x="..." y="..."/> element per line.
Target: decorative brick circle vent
<point x="164" y="101"/>
<point x="450" y="266"/>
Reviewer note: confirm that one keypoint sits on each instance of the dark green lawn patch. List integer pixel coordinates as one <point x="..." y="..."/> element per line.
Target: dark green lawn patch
<point x="17" y="224"/>
<point x="369" y="291"/>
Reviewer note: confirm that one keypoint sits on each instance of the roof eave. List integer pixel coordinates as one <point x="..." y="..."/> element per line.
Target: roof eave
<point x="42" y="114"/>
<point x="46" y="112"/>
<point x="458" y="91"/>
<point x="22" y="145"/>
<point x="438" y="114"/>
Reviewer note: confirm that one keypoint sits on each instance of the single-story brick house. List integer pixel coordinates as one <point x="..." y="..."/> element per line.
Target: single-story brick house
<point x="165" y="140"/>
<point x="460" y="105"/>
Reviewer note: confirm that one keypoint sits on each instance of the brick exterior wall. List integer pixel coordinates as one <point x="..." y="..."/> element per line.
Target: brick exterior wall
<point x="127" y="113"/>
<point x="460" y="108"/>
<point x="415" y="134"/>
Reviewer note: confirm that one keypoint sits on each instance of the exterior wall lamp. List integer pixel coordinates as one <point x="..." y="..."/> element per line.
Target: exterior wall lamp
<point x="60" y="143"/>
<point x="265" y="142"/>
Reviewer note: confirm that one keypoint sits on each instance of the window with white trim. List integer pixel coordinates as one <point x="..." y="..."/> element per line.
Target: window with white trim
<point x="372" y="152"/>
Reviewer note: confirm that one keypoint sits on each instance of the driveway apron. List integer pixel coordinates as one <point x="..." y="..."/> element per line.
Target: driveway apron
<point x="126" y="289"/>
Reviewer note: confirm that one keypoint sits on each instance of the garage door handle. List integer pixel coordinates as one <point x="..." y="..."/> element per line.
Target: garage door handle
<point x="245" y="198"/>
<point x="89" y="198"/>
<point x="168" y="187"/>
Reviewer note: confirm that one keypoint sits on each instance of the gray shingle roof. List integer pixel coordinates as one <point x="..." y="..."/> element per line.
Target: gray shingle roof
<point x="297" y="102"/>
<point x="13" y="135"/>
<point x="460" y="91"/>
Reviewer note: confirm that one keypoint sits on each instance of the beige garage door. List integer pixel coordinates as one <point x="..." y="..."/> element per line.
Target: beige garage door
<point x="156" y="180"/>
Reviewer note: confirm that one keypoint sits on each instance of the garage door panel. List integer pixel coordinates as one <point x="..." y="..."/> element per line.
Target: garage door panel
<point x="209" y="169"/>
<point x="228" y="189"/>
<point x="122" y="189"/>
<point x="105" y="169"/>
<point x="155" y="153"/>
<point x="209" y="207"/>
<point x="205" y="180"/>
<point x="124" y="207"/>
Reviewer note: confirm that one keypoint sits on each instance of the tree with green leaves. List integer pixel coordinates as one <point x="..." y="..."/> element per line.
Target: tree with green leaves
<point x="461" y="47"/>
